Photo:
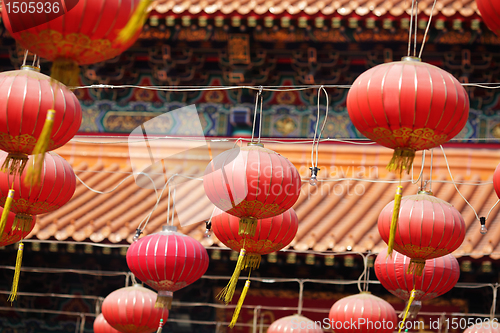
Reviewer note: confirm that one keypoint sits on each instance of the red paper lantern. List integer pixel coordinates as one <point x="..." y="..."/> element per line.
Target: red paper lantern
<point x="56" y="188"/>
<point x="490" y="12"/>
<point x="15" y="230"/>
<point x="407" y="105"/>
<point x="86" y="34"/>
<point x="295" y="324"/>
<point x="484" y="327"/>
<point x="132" y="310"/>
<point x="439" y="276"/>
<point x="362" y="313"/>
<point x="27" y="96"/>
<point x="167" y="261"/>
<point x="272" y="234"/>
<point x="496" y="180"/>
<point x="252" y="183"/>
<point x="428" y="228"/>
<point x="102" y="326"/>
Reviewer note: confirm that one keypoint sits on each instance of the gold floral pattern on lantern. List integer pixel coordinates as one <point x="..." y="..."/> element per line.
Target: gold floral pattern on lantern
<point x="19" y="142"/>
<point x="418" y="139"/>
<point x="263" y="246"/>
<point x="245" y="206"/>
<point x="166" y="285"/>
<point x="415" y="251"/>
<point x="32" y="208"/>
<point x="52" y="44"/>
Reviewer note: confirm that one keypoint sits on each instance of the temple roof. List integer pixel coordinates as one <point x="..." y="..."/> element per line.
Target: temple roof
<point x="361" y="8"/>
<point x="338" y="215"/>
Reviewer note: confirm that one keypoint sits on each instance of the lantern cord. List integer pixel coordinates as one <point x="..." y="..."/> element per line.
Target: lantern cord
<point x="260" y="118"/>
<point x="411" y="28"/>
<point x="493" y="304"/>
<point x="301" y="297"/>
<point x="427" y="29"/>
<point x="496" y="203"/>
<point x="316" y="141"/>
<point x="82" y="323"/>
<point x="367" y="275"/>
<point x="416" y="29"/>
<point x="363" y="274"/>
<point x="25" y="57"/>
<point x="421" y="170"/>
<point x="430" y="171"/>
<point x="454" y="184"/>
<point x="255" y="111"/>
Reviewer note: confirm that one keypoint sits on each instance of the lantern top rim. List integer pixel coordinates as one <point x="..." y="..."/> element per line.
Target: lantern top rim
<point x="258" y="144"/>
<point x="171" y="228"/>
<point x="425" y="192"/>
<point x="30" y="68"/>
<point x="408" y="58"/>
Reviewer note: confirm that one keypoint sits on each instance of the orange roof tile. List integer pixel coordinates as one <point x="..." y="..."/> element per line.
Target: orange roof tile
<point x="338" y="215"/>
<point x="396" y="8"/>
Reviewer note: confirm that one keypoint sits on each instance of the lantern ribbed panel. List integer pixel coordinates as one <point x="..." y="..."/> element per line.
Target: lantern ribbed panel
<point x="57" y="186"/>
<point x="371" y="308"/>
<point x="252" y="181"/>
<point x="485" y="327"/>
<point x="86" y="34"/>
<point x="294" y="324"/>
<point x="132" y="310"/>
<point x="408" y="104"/>
<point x="27" y="96"/>
<point x="15" y="230"/>
<point x="167" y="260"/>
<point x="102" y="326"/>
<point x="490" y="13"/>
<point x="272" y="234"/>
<point x="440" y="275"/>
<point x="428" y="227"/>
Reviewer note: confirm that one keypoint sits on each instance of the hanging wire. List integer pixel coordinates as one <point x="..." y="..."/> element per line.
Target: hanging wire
<point x="315" y="143"/>
<point x="430" y="172"/>
<point x="416" y="29"/>
<point x="421" y="170"/>
<point x="410" y="31"/>
<point x="261" y="116"/>
<point x="255" y="112"/>
<point x="427" y="29"/>
<point x="494" y="302"/>
<point x="454" y="184"/>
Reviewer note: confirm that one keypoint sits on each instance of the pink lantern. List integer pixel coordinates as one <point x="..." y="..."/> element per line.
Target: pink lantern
<point x="363" y="313"/>
<point x="132" y="310"/>
<point x="102" y="326"/>
<point x="295" y="324"/>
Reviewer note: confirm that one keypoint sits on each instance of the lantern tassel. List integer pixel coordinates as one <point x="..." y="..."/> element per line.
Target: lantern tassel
<point x="17" y="273"/>
<point x="6" y="211"/>
<point x="227" y="293"/>
<point x="247" y="226"/>
<point x="164" y="299"/>
<point x="413" y="311"/>
<point x="14" y="163"/>
<point x="160" y="326"/>
<point x="236" y="313"/>
<point x="416" y="267"/>
<point x="410" y="301"/>
<point x="35" y="169"/>
<point x="135" y="22"/>
<point x="394" y="221"/>
<point x="65" y="71"/>
<point x="402" y="160"/>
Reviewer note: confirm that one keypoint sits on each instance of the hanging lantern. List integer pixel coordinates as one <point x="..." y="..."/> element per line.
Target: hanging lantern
<point x="35" y="117"/>
<point x="428" y="228"/>
<point x="167" y="261"/>
<point x="272" y="234"/>
<point x="102" y="326"/>
<point x="294" y="324"/>
<point x="91" y="32"/>
<point x="362" y="313"/>
<point x="407" y="105"/>
<point x="132" y="310"/>
<point x="439" y="276"/>
<point x="484" y="327"/>
<point x="490" y="13"/>
<point x="57" y="186"/>
<point x="15" y="229"/>
<point x="496" y="181"/>
<point x="252" y="183"/>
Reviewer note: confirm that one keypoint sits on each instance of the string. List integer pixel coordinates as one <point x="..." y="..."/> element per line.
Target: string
<point x="427" y="29"/>
<point x="430" y="172"/>
<point x="410" y="31"/>
<point x="255" y="113"/>
<point x="260" y="120"/>
<point x="416" y="29"/>
<point x="324" y="121"/>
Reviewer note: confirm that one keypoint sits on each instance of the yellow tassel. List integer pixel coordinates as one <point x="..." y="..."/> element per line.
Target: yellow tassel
<point x="402" y="160"/>
<point x="14" y="163"/>
<point x="6" y="211"/>
<point x="227" y="293"/>
<point x="135" y="23"/>
<point x="251" y="261"/>
<point x="160" y="326"/>
<point x="17" y="273"/>
<point x="65" y="71"/>
<point x="247" y="226"/>
<point x="35" y="168"/>
<point x="416" y="267"/>
<point x="164" y="300"/>
<point x="412" y="297"/>
<point x="394" y="221"/>
<point x="236" y="313"/>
